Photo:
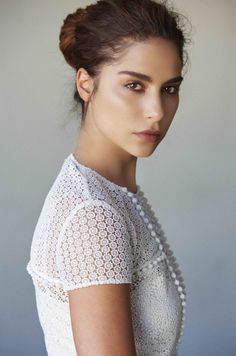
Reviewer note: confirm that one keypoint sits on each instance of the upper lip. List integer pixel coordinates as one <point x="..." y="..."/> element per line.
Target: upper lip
<point x="150" y="132"/>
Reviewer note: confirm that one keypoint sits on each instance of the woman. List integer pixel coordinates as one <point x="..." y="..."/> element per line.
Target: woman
<point x="106" y="281"/>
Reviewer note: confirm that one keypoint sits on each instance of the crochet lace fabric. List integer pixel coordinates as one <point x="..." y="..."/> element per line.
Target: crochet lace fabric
<point x="92" y="231"/>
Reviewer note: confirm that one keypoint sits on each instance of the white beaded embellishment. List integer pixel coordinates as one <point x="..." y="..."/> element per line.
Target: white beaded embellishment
<point x="167" y="255"/>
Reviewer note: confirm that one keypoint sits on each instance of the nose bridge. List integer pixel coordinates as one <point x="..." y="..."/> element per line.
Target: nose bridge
<point x="155" y="107"/>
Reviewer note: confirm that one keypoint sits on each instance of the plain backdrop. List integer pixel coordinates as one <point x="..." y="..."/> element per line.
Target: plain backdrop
<point x="189" y="179"/>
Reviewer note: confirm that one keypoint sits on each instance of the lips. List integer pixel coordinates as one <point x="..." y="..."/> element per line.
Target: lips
<point x="148" y="136"/>
<point x="150" y="132"/>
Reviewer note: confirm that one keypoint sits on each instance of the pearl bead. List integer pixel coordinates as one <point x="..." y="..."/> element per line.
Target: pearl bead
<point x="169" y="256"/>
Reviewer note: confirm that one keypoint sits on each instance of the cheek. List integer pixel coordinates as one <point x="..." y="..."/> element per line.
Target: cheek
<point x="171" y="106"/>
<point x="116" y="107"/>
<point x="110" y="98"/>
<point x="119" y="100"/>
<point x="109" y="113"/>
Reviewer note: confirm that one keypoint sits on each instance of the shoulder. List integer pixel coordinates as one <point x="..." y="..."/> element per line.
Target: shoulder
<point x="94" y="246"/>
<point x="102" y="214"/>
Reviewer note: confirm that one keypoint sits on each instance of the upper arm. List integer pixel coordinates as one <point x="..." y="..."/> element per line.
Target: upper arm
<point x="101" y="320"/>
<point x="95" y="264"/>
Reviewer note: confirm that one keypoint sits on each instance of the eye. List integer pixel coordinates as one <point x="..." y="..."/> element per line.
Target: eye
<point x="133" y="84"/>
<point x="173" y="90"/>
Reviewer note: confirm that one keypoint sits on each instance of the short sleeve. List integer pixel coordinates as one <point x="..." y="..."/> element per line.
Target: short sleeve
<point x="94" y="247"/>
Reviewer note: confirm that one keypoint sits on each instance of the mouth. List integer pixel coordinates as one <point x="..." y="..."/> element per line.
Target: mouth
<point x="148" y="136"/>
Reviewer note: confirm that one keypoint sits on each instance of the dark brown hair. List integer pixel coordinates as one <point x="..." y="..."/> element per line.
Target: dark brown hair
<point x="99" y="33"/>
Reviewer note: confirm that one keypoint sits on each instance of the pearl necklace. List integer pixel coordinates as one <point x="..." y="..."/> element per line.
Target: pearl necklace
<point x="167" y="255"/>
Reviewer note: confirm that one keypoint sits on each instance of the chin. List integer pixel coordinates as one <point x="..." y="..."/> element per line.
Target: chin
<point x="143" y="152"/>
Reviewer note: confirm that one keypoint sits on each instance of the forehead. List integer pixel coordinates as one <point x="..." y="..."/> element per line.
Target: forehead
<point x="155" y="57"/>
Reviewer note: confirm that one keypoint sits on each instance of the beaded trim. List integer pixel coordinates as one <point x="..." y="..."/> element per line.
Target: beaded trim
<point x="164" y="253"/>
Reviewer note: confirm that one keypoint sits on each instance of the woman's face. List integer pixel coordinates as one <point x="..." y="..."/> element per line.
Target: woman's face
<point x="126" y="103"/>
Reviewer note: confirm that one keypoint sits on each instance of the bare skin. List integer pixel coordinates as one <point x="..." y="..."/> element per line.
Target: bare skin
<point x="101" y="320"/>
<point x="106" y="142"/>
<point x="101" y="315"/>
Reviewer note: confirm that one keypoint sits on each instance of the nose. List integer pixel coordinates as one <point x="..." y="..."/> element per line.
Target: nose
<point x="155" y="109"/>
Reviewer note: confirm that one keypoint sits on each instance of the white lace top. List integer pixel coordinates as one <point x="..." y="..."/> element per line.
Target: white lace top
<point x="92" y="231"/>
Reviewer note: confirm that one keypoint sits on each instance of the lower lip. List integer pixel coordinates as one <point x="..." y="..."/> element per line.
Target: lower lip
<point x="148" y="137"/>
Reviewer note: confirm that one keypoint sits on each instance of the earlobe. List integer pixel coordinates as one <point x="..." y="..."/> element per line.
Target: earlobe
<point x="84" y="84"/>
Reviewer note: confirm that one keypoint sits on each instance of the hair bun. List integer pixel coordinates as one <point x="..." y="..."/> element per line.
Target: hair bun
<point x="67" y="35"/>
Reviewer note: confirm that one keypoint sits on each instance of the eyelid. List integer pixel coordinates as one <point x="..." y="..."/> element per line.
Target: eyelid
<point x="135" y="82"/>
<point x="175" y="85"/>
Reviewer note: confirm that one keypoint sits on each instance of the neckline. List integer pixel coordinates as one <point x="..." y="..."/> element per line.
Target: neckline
<point x="120" y="187"/>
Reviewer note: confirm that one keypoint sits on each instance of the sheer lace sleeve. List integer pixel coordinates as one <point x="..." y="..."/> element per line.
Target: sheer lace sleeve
<point x="94" y="247"/>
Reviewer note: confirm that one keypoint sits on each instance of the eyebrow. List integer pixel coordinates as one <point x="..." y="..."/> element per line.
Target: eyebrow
<point x="146" y="77"/>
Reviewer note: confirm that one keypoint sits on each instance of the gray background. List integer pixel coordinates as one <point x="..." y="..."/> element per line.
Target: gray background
<point x="189" y="180"/>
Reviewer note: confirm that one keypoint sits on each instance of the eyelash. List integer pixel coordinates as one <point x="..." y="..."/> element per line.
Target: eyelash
<point x="177" y="87"/>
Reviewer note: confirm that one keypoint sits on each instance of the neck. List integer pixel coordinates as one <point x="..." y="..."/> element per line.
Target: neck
<point x="107" y="159"/>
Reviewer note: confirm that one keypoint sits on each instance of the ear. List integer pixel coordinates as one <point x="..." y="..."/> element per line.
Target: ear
<point x="84" y="84"/>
